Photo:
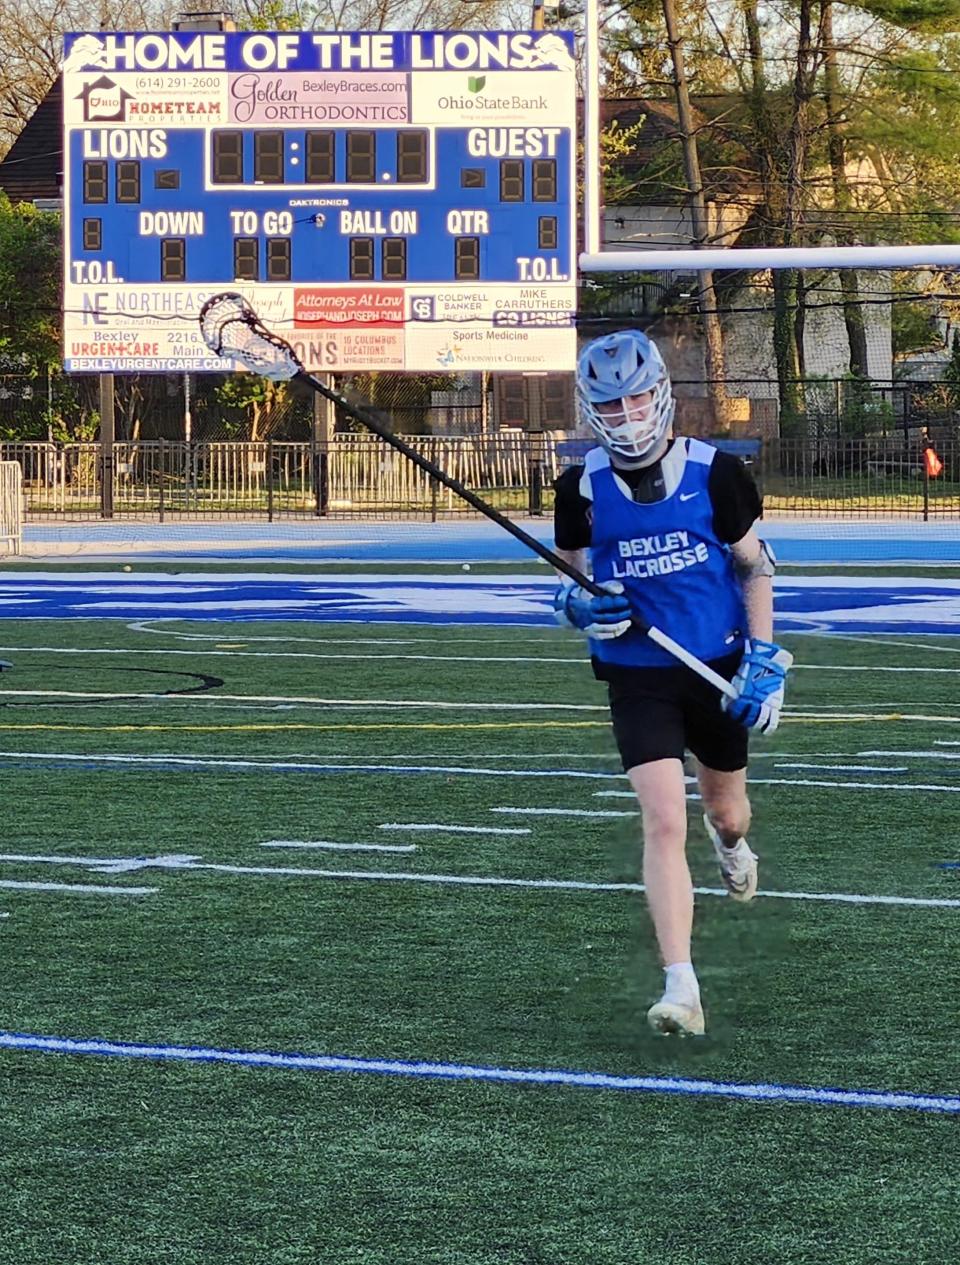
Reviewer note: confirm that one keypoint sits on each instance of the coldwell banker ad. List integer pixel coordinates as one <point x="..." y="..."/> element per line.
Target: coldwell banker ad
<point x="385" y="200"/>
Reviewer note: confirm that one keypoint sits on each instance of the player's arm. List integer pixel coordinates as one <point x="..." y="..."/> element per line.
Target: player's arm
<point x="571" y="520"/>
<point x="578" y="558"/>
<point x="761" y="677"/>
<point x="754" y="563"/>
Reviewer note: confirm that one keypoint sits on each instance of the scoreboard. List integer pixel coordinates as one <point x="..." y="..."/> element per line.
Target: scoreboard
<point x="385" y="200"/>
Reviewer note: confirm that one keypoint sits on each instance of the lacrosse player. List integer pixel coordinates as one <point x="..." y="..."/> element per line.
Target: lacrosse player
<point x="668" y="524"/>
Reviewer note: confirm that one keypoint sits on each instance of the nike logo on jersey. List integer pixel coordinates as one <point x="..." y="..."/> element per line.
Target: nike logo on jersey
<point x="688" y="496"/>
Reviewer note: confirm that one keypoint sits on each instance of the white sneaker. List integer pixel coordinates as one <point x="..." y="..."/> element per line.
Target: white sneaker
<point x="676" y="1017"/>
<point x="738" y="865"/>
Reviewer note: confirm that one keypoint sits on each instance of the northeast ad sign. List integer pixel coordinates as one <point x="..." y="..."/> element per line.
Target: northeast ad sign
<point x="390" y="200"/>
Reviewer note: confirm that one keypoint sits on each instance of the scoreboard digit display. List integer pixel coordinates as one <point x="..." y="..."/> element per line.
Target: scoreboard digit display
<point x="391" y="200"/>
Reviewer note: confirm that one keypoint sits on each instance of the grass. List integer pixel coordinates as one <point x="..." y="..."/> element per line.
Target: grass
<point x="111" y="1162"/>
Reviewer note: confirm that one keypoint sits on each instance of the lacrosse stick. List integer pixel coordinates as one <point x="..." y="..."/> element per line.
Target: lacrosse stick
<point x="232" y="330"/>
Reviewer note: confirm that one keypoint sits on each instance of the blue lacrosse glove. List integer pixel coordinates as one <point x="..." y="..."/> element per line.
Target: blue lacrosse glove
<point x="759" y="682"/>
<point x="600" y="617"/>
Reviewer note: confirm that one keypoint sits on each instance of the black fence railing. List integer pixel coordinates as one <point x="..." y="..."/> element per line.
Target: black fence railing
<point x="358" y="476"/>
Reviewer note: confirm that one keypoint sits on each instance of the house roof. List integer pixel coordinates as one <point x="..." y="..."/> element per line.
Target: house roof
<point x="727" y="165"/>
<point x="33" y="168"/>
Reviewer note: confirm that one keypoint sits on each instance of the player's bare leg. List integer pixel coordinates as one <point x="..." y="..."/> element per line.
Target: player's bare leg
<point x="660" y="789"/>
<point x="727" y="819"/>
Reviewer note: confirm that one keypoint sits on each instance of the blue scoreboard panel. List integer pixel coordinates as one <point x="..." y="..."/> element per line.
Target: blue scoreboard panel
<point x="392" y="200"/>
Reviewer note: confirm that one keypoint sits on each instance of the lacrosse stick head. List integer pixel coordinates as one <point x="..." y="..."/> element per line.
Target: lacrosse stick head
<point x="232" y="329"/>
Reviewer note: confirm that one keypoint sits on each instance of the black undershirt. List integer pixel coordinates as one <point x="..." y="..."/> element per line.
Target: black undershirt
<point x="736" y="502"/>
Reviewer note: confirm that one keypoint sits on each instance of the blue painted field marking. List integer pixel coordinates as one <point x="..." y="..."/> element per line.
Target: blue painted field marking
<point x="804" y="603"/>
<point x="677" y="1086"/>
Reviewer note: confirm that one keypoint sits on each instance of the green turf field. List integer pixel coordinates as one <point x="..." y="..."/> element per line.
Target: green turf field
<point x="130" y="1162"/>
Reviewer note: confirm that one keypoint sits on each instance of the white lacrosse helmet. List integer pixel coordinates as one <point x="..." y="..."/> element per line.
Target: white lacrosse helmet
<point x="612" y="369"/>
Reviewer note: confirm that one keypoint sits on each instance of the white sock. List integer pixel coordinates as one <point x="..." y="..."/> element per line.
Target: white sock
<point x="682" y="982"/>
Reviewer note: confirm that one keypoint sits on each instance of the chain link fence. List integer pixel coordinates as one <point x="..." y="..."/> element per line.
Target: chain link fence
<point x="358" y="476"/>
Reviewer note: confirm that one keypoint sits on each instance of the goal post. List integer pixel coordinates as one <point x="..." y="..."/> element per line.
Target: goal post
<point x="11" y="506"/>
<point x="773" y="257"/>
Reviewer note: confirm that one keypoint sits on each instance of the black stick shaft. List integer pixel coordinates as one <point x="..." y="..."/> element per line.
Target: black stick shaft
<point x="242" y="312"/>
<point x="373" y="423"/>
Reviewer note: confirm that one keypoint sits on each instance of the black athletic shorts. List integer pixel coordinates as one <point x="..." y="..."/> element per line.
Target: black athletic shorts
<point x="660" y="713"/>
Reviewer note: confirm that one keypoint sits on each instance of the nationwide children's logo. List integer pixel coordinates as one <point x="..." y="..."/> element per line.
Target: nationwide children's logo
<point x="449" y="354"/>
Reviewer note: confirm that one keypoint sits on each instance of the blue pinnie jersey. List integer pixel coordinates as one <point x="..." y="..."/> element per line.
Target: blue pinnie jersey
<point x="677" y="574"/>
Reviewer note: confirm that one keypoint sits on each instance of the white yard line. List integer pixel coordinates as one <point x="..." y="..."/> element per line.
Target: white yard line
<point x="80" y="888"/>
<point x="863" y="667"/>
<point x="372" y="703"/>
<point x="799" y="781"/>
<point x="844" y="768"/>
<point x="323" y="845"/>
<point x="202" y="653"/>
<point x="423" y="1068"/>
<point x="265" y="764"/>
<point x="925" y="755"/>
<point x="462" y="880"/>
<point x="364" y="656"/>
<point x="883" y="639"/>
<point x="439" y="827"/>
<point x="567" y="812"/>
<point x="546" y="639"/>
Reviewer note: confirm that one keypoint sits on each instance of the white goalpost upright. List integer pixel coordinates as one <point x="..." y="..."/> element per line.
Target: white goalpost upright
<point x="595" y="259"/>
<point x="11" y="506"/>
<point x="760" y="258"/>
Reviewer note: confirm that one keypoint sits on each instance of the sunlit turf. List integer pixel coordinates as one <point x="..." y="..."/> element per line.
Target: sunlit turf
<point x="116" y="1162"/>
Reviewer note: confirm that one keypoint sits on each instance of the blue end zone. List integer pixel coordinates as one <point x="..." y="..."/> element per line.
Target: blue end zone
<point x="828" y="603"/>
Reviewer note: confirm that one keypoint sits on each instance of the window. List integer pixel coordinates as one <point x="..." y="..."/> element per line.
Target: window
<point x="559" y="408"/>
<point x="95" y="181"/>
<point x="278" y="258"/>
<point x="466" y="258"/>
<point x="245" y="259"/>
<point x="361" y="258"/>
<point x="511" y="180"/>
<point x="361" y="157"/>
<point x="411" y="157"/>
<point x="321" y="158"/>
<point x="128" y="182"/>
<point x="173" y="259"/>
<point x="544" y="180"/>
<point x="547" y="232"/>
<point x="92" y="234"/>
<point x="268" y="157"/>
<point x="393" y="259"/>
<point x="228" y="158"/>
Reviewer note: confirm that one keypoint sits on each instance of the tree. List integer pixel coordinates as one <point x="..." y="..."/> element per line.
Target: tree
<point x="842" y="195"/>
<point x="31" y="35"/>
<point x="952" y="372"/>
<point x="30" y="264"/>
<point x="713" y="332"/>
<point x="827" y="124"/>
